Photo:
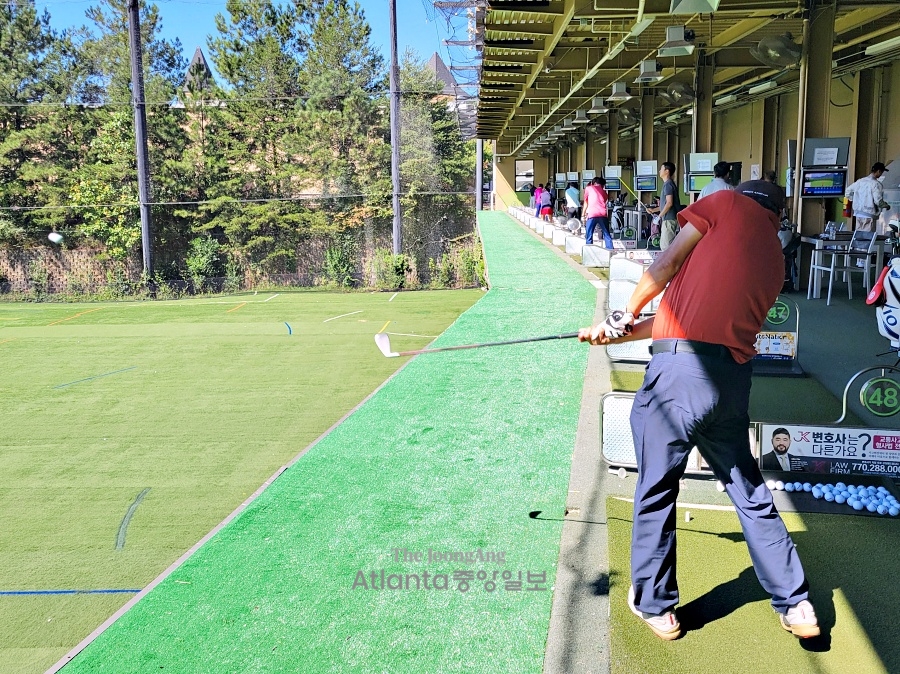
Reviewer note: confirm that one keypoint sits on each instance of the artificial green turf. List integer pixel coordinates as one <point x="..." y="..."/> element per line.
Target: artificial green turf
<point x="216" y="402"/>
<point x="731" y="628"/>
<point x="451" y="454"/>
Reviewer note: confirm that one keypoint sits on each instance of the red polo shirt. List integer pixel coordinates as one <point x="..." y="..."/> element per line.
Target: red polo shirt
<point x="728" y="283"/>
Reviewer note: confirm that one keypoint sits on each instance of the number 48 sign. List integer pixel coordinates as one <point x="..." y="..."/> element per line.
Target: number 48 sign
<point x="881" y="396"/>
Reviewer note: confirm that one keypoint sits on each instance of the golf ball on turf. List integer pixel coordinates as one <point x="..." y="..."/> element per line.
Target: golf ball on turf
<point x="779" y="485"/>
<point x="841" y="486"/>
<point x="882" y="510"/>
<point x="719" y="486"/>
<point x="55" y="237"/>
<point x="871" y="507"/>
<point x="789" y="486"/>
<point x="894" y="511"/>
<point x="807" y="486"/>
<point x="817" y="493"/>
<point x="829" y="496"/>
<point x="839" y="499"/>
<point x="857" y="505"/>
<point x="798" y="486"/>
<point x="770" y="484"/>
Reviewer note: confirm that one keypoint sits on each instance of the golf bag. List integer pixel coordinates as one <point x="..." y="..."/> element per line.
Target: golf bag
<point x="617" y="214"/>
<point x="790" y="244"/>
<point x="885" y="296"/>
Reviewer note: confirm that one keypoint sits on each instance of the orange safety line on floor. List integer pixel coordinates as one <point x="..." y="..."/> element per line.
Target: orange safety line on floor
<point x="63" y="320"/>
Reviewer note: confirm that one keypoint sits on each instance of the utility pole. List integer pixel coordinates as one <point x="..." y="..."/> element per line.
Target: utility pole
<point x="140" y="132"/>
<point x="395" y="127"/>
<point x="479" y="174"/>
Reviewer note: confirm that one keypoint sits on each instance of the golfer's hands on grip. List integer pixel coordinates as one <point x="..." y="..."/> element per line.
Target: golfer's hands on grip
<point x="617" y="325"/>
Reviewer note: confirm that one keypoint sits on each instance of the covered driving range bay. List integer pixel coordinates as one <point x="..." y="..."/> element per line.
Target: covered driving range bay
<point x="449" y="456"/>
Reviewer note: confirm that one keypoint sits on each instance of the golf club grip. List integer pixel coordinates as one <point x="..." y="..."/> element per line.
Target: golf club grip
<point x="568" y="335"/>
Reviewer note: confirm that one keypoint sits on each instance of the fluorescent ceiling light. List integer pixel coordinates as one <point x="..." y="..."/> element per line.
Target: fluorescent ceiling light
<point x="693" y="6"/>
<point x="882" y="47"/>
<point x="619" y="92"/>
<point x="760" y="88"/>
<point x="675" y="44"/>
<point x="725" y="100"/>
<point x="673" y="118"/>
<point x="598" y="107"/>
<point x="690" y="112"/>
<point x="649" y="72"/>
<point x="657" y="122"/>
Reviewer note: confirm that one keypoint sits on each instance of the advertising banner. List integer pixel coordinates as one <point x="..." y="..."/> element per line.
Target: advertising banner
<point x="834" y="450"/>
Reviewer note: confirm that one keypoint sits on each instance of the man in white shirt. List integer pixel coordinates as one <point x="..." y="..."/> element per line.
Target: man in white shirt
<point x="720" y="171"/>
<point x="573" y="201"/>
<point x="867" y="195"/>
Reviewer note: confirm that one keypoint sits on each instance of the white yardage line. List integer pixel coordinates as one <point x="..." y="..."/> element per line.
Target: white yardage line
<point x="271" y="298"/>
<point x="694" y="506"/>
<point x="406" y="334"/>
<point x="393" y="296"/>
<point x="334" y="318"/>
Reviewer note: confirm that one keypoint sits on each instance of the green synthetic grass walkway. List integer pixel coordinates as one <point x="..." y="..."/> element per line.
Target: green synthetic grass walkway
<point x="209" y="398"/>
<point x="731" y="628"/>
<point x="450" y="455"/>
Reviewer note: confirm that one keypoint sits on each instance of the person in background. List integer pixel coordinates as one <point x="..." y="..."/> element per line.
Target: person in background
<point x="595" y="212"/>
<point x="537" y="199"/>
<point x="573" y="201"/>
<point x="720" y="172"/>
<point x="867" y="195"/>
<point x="669" y="206"/>
<point x="546" y="205"/>
<point x="531" y="202"/>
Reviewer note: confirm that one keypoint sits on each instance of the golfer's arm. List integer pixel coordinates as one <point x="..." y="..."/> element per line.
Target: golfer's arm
<point x="656" y="278"/>
<point x="642" y="330"/>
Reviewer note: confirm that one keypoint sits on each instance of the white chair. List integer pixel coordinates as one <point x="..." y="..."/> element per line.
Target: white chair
<point x="842" y="259"/>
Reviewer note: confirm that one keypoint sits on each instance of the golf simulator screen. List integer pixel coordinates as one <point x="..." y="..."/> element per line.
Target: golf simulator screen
<point x="696" y="183"/>
<point x="645" y="184"/>
<point x="613" y="185"/>
<point x="824" y="183"/>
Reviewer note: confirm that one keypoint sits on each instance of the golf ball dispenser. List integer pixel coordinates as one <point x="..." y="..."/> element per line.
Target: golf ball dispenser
<point x="814" y="457"/>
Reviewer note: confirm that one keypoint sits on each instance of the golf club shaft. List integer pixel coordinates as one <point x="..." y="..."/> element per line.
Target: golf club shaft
<point x="568" y="335"/>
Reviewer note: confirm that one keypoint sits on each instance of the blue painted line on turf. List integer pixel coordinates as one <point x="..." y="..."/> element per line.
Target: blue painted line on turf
<point x="19" y="593"/>
<point x="290" y="332"/>
<point x="123" y="525"/>
<point x="105" y="374"/>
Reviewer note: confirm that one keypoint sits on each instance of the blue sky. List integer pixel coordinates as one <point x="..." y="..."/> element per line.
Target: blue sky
<point x="418" y="24"/>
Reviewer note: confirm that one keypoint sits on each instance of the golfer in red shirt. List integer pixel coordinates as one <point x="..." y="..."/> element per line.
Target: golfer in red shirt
<point x="724" y="271"/>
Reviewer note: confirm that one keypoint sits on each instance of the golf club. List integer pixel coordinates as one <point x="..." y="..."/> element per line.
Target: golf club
<point x="384" y="343"/>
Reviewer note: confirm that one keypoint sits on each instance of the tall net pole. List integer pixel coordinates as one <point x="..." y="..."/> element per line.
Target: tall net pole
<point x="140" y="132"/>
<point x="395" y="128"/>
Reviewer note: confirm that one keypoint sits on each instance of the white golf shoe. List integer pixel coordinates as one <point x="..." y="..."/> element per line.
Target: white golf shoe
<point x="665" y="626"/>
<point x="800" y="620"/>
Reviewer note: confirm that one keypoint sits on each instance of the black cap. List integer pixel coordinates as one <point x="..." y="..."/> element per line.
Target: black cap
<point x="767" y="195"/>
<point x="878" y="166"/>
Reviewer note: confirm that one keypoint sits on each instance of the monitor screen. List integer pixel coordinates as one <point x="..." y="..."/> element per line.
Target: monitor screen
<point x="824" y="183"/>
<point x="697" y="182"/>
<point x="645" y="184"/>
<point x="613" y="185"/>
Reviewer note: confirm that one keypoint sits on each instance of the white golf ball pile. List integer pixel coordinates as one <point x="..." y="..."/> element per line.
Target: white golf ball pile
<point x="874" y="499"/>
